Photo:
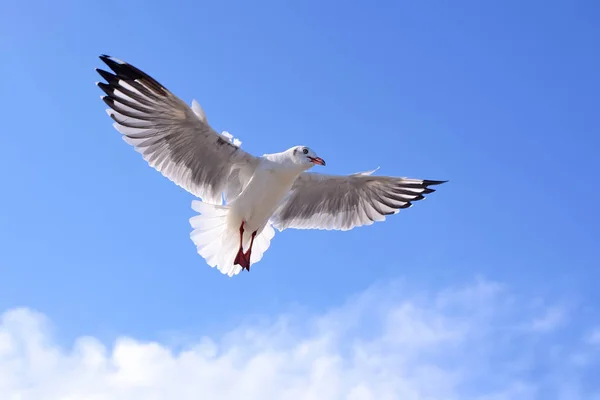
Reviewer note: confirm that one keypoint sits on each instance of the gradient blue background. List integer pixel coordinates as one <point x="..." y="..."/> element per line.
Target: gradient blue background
<point x="500" y="98"/>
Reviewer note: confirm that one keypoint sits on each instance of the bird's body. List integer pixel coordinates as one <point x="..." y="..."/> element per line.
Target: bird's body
<point x="243" y="197"/>
<point x="271" y="182"/>
<point x="250" y="212"/>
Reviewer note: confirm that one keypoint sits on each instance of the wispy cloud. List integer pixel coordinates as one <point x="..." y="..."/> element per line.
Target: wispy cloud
<point x="593" y="337"/>
<point x="384" y="344"/>
<point x="552" y="318"/>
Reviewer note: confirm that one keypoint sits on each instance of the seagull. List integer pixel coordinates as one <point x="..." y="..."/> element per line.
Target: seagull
<point x="243" y="197"/>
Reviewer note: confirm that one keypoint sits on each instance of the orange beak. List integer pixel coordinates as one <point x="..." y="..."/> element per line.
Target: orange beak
<point x="317" y="160"/>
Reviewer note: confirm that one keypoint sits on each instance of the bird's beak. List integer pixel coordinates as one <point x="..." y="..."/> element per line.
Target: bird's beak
<point x="317" y="160"/>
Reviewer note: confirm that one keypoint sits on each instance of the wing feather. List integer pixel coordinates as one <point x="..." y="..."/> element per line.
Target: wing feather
<point x="318" y="201"/>
<point x="173" y="138"/>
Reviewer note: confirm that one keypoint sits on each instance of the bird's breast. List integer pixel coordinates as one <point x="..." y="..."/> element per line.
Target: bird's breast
<point x="262" y="195"/>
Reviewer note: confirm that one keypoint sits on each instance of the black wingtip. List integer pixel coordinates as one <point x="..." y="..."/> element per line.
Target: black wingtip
<point x="126" y="71"/>
<point x="106" y="75"/>
<point x="113" y="63"/>
<point x="109" y="102"/>
<point x="432" y="183"/>
<point x="105" y="88"/>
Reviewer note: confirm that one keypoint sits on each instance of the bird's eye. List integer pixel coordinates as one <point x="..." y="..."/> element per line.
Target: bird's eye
<point x="305" y="151"/>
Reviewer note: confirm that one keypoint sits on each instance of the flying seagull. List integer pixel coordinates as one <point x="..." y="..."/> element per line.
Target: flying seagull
<point x="243" y="196"/>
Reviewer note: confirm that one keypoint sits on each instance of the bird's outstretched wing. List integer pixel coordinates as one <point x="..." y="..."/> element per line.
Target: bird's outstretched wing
<point x="318" y="201"/>
<point x="172" y="137"/>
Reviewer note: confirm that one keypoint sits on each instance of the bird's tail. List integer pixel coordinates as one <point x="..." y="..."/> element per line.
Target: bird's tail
<point x="218" y="241"/>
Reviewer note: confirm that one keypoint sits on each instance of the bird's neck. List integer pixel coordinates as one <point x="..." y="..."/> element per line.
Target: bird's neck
<point x="285" y="163"/>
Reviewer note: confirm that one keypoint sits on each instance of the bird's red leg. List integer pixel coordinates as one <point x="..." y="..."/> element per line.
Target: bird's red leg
<point x="249" y="252"/>
<point x="240" y="258"/>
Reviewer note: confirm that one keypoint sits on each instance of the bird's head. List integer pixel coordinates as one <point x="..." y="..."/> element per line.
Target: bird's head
<point x="305" y="156"/>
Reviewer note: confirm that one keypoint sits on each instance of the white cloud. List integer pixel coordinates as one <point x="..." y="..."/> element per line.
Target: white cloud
<point x="552" y="318"/>
<point x="455" y="344"/>
<point x="593" y="337"/>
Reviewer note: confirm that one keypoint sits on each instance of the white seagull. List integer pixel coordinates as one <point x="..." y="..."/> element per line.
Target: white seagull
<point x="243" y="196"/>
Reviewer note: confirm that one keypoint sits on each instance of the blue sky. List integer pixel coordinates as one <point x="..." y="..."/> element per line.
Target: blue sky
<point x="500" y="98"/>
